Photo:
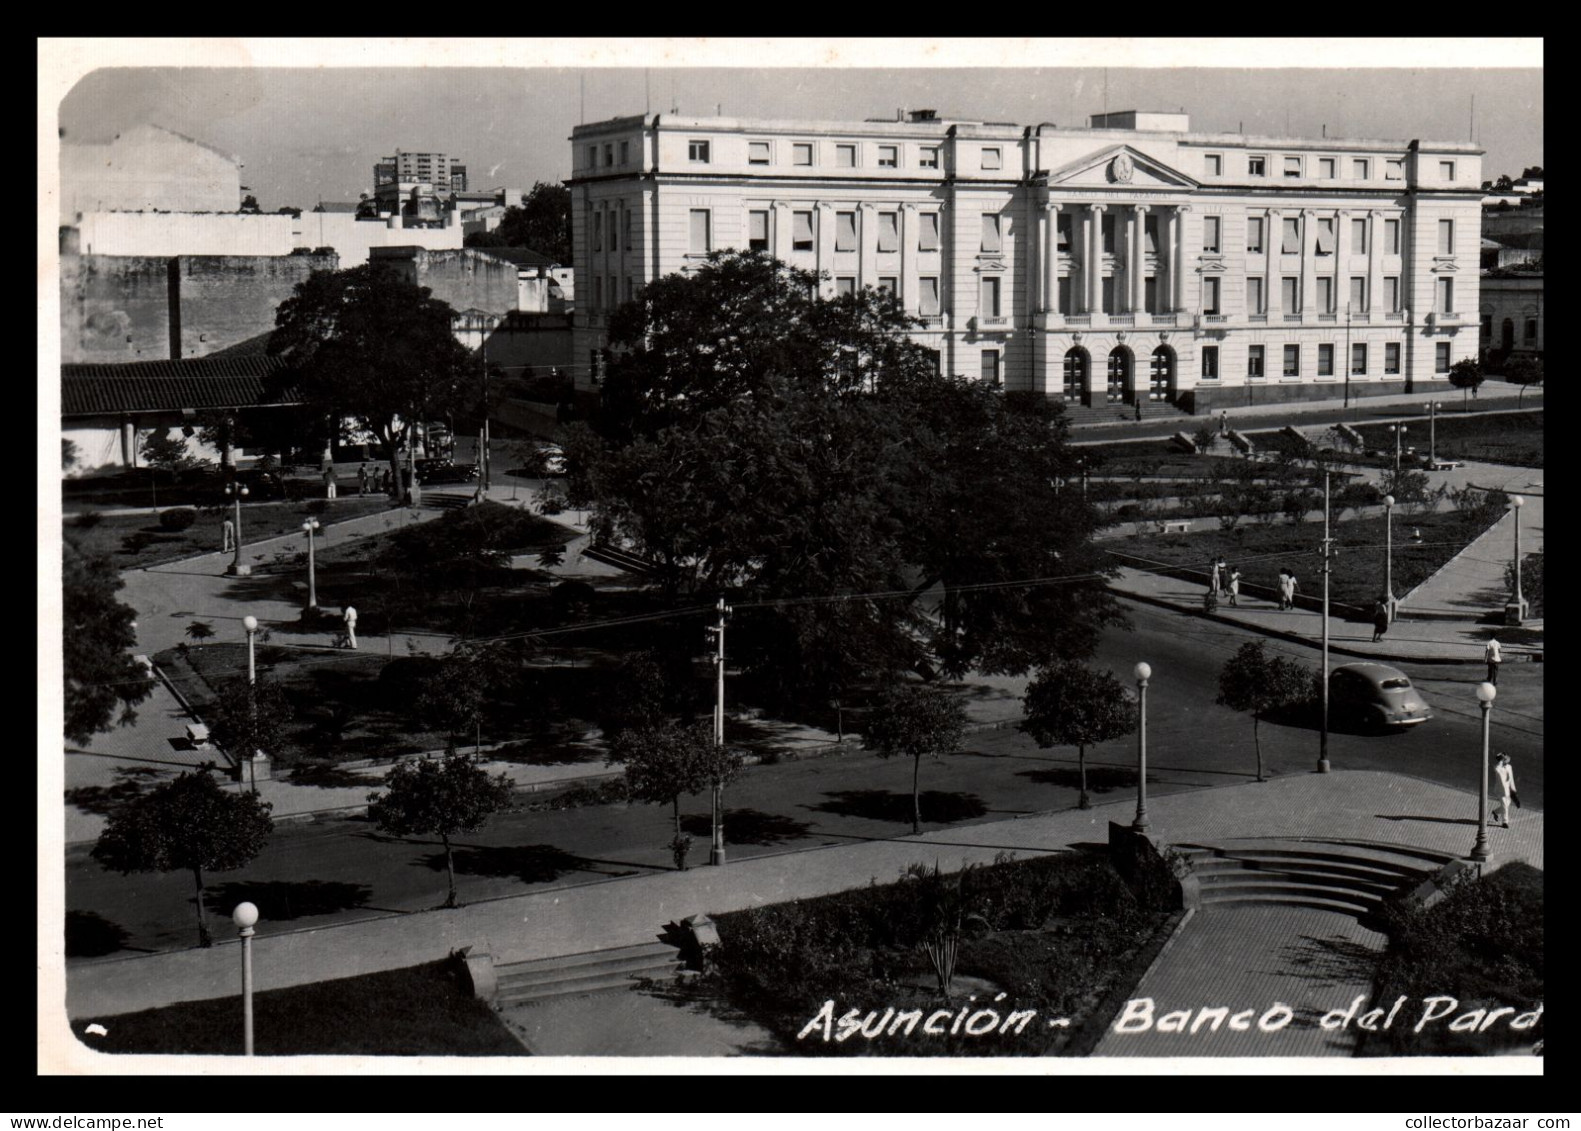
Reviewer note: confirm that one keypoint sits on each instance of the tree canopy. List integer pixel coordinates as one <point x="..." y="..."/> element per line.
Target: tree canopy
<point x="542" y="222"/>
<point x="100" y="676"/>
<point x="664" y="761"/>
<point x="188" y="824"/>
<point x="1523" y="370"/>
<point x="1465" y="375"/>
<point x="868" y="514"/>
<point x="915" y="721"/>
<point x="248" y="717"/>
<point x="1070" y="705"/>
<point x="1253" y="682"/>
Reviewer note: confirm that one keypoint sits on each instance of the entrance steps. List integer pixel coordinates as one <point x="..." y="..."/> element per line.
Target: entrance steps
<point x="620" y="559"/>
<point x="1101" y="413"/>
<point x="448" y="500"/>
<point x="597" y="971"/>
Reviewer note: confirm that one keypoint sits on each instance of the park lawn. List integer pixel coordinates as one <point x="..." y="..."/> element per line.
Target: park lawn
<point x="1154" y="457"/>
<point x="136" y="540"/>
<point x="1512" y="438"/>
<point x="418" y="1011"/>
<point x="1357" y="568"/>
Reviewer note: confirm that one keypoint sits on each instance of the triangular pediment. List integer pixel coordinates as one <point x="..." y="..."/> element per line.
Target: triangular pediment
<point x="1119" y="167"/>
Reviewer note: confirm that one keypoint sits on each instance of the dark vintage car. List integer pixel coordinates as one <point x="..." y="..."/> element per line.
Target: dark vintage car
<point x="432" y="472"/>
<point x="1375" y="695"/>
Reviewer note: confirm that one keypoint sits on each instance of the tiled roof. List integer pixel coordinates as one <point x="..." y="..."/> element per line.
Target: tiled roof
<point x="168" y="386"/>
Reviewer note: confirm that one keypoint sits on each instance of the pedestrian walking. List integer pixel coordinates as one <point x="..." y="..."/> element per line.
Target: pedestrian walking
<point x="329" y="481"/>
<point x="362" y="480"/>
<point x="1224" y="577"/>
<point x="1235" y="586"/>
<point x="384" y="480"/>
<point x="1291" y="585"/>
<point x="1224" y="424"/>
<point x="1284" y="589"/>
<point x="1380" y="620"/>
<point x="349" y="618"/>
<point x="1215" y="581"/>
<point x="1494" y="654"/>
<point x="228" y="534"/>
<point x="1505" y="773"/>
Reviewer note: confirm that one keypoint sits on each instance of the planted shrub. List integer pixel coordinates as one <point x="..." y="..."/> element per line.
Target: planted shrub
<point x="87" y="520"/>
<point x="177" y="518"/>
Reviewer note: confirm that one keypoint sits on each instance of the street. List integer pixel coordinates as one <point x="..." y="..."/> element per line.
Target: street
<point x="313" y="875"/>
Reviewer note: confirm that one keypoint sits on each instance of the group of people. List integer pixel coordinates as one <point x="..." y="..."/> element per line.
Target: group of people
<point x="1225" y="581"/>
<point x="373" y="482"/>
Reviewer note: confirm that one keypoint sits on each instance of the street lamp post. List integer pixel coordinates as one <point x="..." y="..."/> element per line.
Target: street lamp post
<point x="1399" y="431"/>
<point x="1516" y="613"/>
<point x="250" y="624"/>
<point x="308" y="528"/>
<point x="236" y="569"/>
<point x="1432" y="431"/>
<point x="1388" y="555"/>
<point x="1143" y="673"/>
<point x="244" y="917"/>
<point x="1486" y="693"/>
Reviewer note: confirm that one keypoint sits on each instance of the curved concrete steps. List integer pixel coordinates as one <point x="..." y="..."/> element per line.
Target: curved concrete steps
<point x="522" y="983"/>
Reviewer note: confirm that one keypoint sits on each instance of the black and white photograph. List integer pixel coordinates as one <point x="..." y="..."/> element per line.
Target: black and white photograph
<point x="1003" y="556"/>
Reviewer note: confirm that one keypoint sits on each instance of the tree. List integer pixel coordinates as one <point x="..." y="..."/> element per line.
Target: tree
<point x="1504" y="183"/>
<point x="367" y="344"/>
<point x="452" y="697"/>
<point x="915" y="720"/>
<point x="1466" y="374"/>
<point x="1067" y="704"/>
<point x="68" y="454"/>
<point x="1409" y="488"/>
<point x="189" y="824"/>
<point x="249" y="204"/>
<point x="98" y="672"/>
<point x="662" y="762"/>
<point x="248" y="717"/>
<point x="1253" y="681"/>
<point x="438" y="798"/>
<point x="200" y="630"/>
<point x="543" y="222"/>
<point x="1532" y="171"/>
<point x="1523" y="370"/>
<point x="167" y="451"/>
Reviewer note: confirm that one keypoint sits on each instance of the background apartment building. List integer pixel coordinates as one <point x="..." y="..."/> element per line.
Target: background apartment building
<point x="1131" y="262"/>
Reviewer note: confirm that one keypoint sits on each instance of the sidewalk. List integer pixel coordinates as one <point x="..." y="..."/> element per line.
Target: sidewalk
<point x="1385" y="808"/>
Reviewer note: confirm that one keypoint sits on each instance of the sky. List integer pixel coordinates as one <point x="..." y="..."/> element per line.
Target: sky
<point x="306" y="133"/>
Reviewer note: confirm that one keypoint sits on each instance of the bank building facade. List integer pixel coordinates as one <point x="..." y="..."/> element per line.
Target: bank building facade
<point x="1122" y="268"/>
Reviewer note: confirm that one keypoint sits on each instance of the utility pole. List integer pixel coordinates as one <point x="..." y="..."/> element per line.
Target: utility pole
<point x="1347" y="355"/>
<point x="1322" y="763"/>
<point x="716" y="853"/>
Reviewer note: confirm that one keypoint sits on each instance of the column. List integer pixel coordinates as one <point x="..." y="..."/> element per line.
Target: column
<point x="825" y="245"/>
<point x="780" y="236"/>
<point x="908" y="257"/>
<point x="1308" y="263"/>
<point x="1273" y="285"/>
<point x="1177" y="254"/>
<point x="1095" y="262"/>
<point x="1138" y="257"/>
<point x="867" y="240"/>
<point x="1375" y="262"/>
<point x="1166" y="290"/>
<point x="1050" y="256"/>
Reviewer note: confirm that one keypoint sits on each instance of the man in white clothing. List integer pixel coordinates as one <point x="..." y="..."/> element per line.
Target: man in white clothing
<point x="1506" y="776"/>
<point x="1495" y="656"/>
<point x="350" y="619"/>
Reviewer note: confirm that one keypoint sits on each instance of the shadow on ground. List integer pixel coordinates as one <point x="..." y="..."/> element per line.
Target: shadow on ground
<point x="529" y="863"/>
<point x="105" y="799"/>
<point x="288" y="899"/>
<point x="1331" y="961"/>
<point x="883" y="805"/>
<point x="89" y="935"/>
<point x="1100" y="779"/>
<point x="752" y="826"/>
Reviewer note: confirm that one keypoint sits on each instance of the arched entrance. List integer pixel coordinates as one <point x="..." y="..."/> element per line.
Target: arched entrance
<point x="1119" y="374"/>
<point x="1077" y="366"/>
<point x="1161" y="375"/>
<point x="1508" y="336"/>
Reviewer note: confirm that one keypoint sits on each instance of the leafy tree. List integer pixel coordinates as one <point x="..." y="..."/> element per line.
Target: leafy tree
<point x="190" y="825"/>
<point x="68" y="454"/>
<point x="166" y="451"/>
<point x="1532" y="171"/>
<point x="662" y="762"/>
<point x="1409" y="488"/>
<point x="1466" y="374"/>
<point x="542" y="223"/>
<point x="200" y="630"/>
<point x="248" y="717"/>
<point x="1068" y="704"/>
<point x="1523" y="370"/>
<point x="367" y="344"/>
<point x="452" y="697"/>
<point x="916" y="720"/>
<point x="1253" y="681"/>
<point x="99" y="673"/>
<point x="250" y="204"/>
<point x="438" y="798"/>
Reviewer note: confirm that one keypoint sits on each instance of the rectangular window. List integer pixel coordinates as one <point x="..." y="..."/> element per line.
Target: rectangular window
<point x="626" y="216"/>
<point x="1257" y="166"/>
<point x="1106" y="292"/>
<point x="757" y="153"/>
<point x="801" y="231"/>
<point x="993" y="158"/>
<point x="928" y="234"/>
<point x="1150" y="235"/>
<point x="1254" y="234"/>
<point x="1325" y="360"/>
<point x="1325" y="168"/>
<point x="1446" y="296"/>
<point x="614" y="231"/>
<point x="1292" y="361"/>
<point x="888" y="157"/>
<point x="1394" y="169"/>
<point x="1106" y="232"/>
<point x="1210" y="295"/>
<point x="1391" y="294"/>
<point x="845" y="231"/>
<point x="889" y="231"/>
<point x="801" y="153"/>
<point x="1210" y="233"/>
<point x="1213" y="164"/>
<point x="701" y="236"/>
<point x="888" y="284"/>
<point x="1531" y="329"/>
<point x="1210" y="363"/>
<point x="1359" y="168"/>
<point x="845" y="156"/>
<point x="1487" y="327"/>
<point x="1358" y="294"/>
<point x="758" y="231"/>
<point x="845" y="285"/>
<point x="1254" y="361"/>
<point x="928" y="295"/>
<point x="592" y="156"/>
<point x="1064" y="295"/>
<point x="1064" y="224"/>
<point x="1292" y="166"/>
<point x="1325" y="235"/>
<point x="990" y="232"/>
<point x="697" y="151"/>
<point x="1441" y="357"/>
<point x="609" y="154"/>
<point x="631" y="287"/>
<point x="1358" y="359"/>
<point x="1254" y="296"/>
<point x="598" y="230"/>
<point x="625" y="153"/>
<point x="991" y="367"/>
<point x="1446" y="237"/>
<point x="1290" y="294"/>
<point x="1391" y="237"/>
<point x="1358" y="237"/>
<point x="1391" y="357"/>
<point x="1446" y="170"/>
<point x="1325" y="294"/>
<point x="990" y="296"/>
<point x="1150" y="294"/>
<point x="598" y="291"/>
<point x="1291" y="244"/>
<point x="928" y="157"/>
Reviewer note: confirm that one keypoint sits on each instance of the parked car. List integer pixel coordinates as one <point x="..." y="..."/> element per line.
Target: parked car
<point x="1377" y="695"/>
<point x="440" y="438"/>
<point x="435" y="471"/>
<point x="553" y="458"/>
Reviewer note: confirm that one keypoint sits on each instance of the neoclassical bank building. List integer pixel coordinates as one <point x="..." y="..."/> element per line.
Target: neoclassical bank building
<point x="1122" y="267"/>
